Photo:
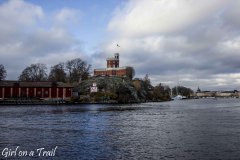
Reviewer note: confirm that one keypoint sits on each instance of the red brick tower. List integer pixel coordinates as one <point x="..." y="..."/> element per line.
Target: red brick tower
<point x="113" y="62"/>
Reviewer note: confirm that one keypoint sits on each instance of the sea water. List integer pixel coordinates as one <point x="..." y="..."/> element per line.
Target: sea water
<point x="184" y="129"/>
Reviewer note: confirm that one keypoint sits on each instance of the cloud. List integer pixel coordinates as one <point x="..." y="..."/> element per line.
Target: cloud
<point x="195" y="43"/>
<point x="230" y="18"/>
<point x="16" y="16"/>
<point x="67" y="14"/>
<point x="44" y="42"/>
<point x="192" y="42"/>
<point x="28" y="34"/>
<point x="143" y="17"/>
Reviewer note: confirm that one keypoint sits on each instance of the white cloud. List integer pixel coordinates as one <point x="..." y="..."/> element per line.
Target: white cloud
<point x="149" y="17"/>
<point x="230" y="45"/>
<point x="193" y="42"/>
<point x="16" y="18"/>
<point x="67" y="17"/>
<point x="28" y="34"/>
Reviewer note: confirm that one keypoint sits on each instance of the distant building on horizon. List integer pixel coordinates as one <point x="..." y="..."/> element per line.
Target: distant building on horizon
<point x="202" y="94"/>
<point x="113" y="68"/>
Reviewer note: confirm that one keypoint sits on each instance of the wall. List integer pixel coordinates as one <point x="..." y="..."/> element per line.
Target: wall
<point x="118" y="72"/>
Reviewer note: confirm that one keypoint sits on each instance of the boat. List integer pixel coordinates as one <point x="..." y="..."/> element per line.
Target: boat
<point x="178" y="96"/>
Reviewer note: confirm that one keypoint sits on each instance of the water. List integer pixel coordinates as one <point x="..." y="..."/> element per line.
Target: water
<point x="188" y="129"/>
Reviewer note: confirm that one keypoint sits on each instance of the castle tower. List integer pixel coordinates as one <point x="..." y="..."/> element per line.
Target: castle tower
<point x="116" y="55"/>
<point x="113" y="62"/>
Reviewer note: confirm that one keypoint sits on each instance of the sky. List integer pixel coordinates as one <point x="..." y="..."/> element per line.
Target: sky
<point x="176" y="42"/>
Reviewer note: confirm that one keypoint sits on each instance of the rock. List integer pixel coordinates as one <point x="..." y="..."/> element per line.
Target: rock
<point x="111" y="88"/>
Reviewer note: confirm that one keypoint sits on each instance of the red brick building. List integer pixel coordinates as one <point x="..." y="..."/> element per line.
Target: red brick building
<point x="14" y="89"/>
<point x="113" y="62"/>
<point x="113" y="68"/>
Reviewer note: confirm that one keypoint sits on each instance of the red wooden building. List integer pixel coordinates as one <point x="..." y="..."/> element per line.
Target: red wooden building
<point x="14" y="89"/>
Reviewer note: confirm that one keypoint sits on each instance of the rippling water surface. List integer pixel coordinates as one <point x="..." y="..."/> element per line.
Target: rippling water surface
<point x="189" y="129"/>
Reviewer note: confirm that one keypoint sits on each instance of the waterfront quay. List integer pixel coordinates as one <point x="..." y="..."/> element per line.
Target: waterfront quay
<point x="32" y="101"/>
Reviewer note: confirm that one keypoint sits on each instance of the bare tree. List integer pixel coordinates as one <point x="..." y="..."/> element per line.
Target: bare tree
<point x="146" y="81"/>
<point x="57" y="73"/>
<point x="77" y="70"/>
<point x="34" y="72"/>
<point x="184" y="91"/>
<point x="3" y="72"/>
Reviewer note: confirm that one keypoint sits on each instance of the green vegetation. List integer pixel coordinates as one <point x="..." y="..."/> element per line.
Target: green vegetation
<point x="122" y="90"/>
<point x="110" y="89"/>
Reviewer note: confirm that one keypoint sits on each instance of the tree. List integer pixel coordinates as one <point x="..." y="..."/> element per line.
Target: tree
<point x="147" y="82"/>
<point x="34" y="72"/>
<point x="3" y="72"/>
<point x="123" y="94"/>
<point x="147" y="86"/>
<point x="77" y="70"/>
<point x="57" y="73"/>
<point x="184" y="91"/>
<point x="130" y="72"/>
<point x="161" y="92"/>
